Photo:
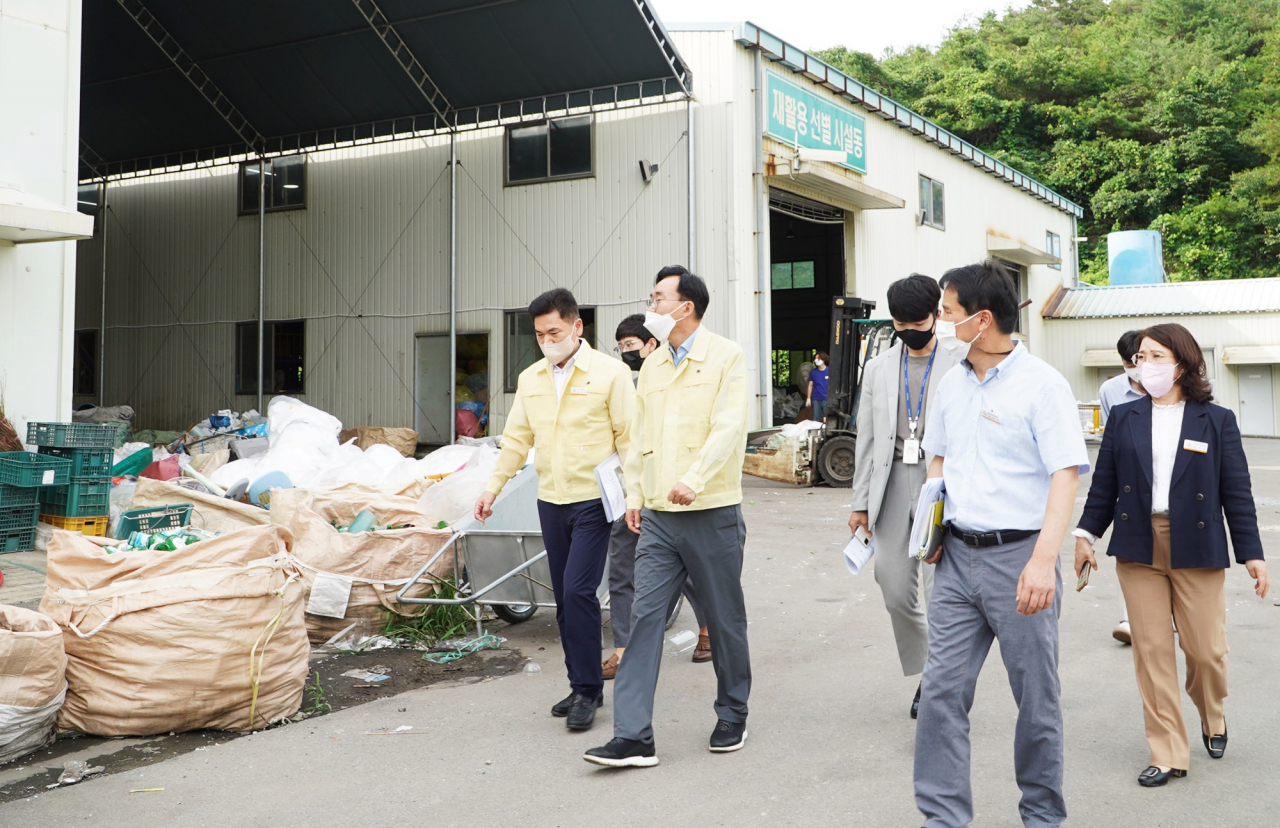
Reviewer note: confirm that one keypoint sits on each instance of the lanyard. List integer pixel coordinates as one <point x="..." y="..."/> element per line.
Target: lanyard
<point x="913" y="420"/>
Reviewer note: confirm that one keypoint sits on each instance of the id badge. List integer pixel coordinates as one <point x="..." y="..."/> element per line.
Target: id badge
<point x="911" y="451"/>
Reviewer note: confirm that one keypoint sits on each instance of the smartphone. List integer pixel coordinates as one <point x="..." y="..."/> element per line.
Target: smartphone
<point x="861" y="534"/>
<point x="1084" y="576"/>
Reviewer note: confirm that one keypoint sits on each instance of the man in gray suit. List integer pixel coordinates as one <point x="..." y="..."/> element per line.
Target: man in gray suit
<point x="897" y="390"/>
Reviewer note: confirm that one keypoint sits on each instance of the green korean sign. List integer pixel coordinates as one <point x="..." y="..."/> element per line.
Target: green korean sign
<point x="799" y="117"/>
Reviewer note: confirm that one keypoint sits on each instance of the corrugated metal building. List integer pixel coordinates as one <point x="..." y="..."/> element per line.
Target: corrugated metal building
<point x="780" y="181"/>
<point x="1236" y="322"/>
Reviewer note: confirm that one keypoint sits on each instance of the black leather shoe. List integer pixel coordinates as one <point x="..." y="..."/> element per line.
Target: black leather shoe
<point x="582" y="711"/>
<point x="915" y="704"/>
<point x="623" y="753"/>
<point x="561" y="708"/>
<point x="728" y="736"/>
<point x="1153" y="777"/>
<point x="1216" y="745"/>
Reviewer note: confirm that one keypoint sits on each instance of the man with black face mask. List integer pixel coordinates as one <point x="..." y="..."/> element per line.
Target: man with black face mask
<point x="891" y="467"/>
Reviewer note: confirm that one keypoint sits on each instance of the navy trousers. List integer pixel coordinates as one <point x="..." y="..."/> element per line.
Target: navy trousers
<point x="576" y="536"/>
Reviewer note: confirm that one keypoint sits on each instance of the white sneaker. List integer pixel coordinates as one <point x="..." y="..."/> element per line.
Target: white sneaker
<point x="1121" y="633"/>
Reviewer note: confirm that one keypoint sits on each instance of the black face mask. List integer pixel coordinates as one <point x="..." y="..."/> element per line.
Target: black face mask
<point x="915" y="340"/>
<point x="633" y="359"/>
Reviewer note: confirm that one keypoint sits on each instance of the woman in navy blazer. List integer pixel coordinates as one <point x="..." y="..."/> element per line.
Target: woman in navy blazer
<point x="1171" y="468"/>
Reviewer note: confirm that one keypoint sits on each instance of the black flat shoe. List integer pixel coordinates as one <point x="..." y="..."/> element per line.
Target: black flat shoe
<point x="1153" y="777"/>
<point x="1216" y="745"/>
<point x="915" y="704"/>
<point x="582" y="711"/>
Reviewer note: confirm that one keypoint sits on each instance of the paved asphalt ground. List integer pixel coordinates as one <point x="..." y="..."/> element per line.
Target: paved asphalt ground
<point x="830" y="740"/>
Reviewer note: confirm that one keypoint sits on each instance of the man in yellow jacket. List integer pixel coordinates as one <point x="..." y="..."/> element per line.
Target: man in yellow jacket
<point x="684" y="496"/>
<point x="575" y="408"/>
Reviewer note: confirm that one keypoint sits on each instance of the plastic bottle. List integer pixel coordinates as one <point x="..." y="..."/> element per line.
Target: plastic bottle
<point x="681" y="642"/>
<point x="362" y="523"/>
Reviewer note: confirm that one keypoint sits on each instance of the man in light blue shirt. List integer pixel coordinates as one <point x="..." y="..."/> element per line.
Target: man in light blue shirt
<point x="1123" y="387"/>
<point x="1008" y="444"/>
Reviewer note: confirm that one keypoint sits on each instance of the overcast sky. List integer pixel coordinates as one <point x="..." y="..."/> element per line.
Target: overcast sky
<point x="817" y="24"/>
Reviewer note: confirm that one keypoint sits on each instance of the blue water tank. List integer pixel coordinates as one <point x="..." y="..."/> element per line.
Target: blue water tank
<point x="1135" y="257"/>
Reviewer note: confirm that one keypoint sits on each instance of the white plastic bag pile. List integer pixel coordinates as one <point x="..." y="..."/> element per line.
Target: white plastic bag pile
<point x="303" y="443"/>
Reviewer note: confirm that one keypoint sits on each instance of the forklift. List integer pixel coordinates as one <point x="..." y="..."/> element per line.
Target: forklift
<point x="828" y="454"/>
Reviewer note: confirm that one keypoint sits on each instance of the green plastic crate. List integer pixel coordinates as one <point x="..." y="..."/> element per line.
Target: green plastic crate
<point x="23" y="468"/>
<point x="153" y="519"/>
<point x="19" y="518"/>
<point x="11" y="496"/>
<point x="85" y="499"/>
<point x="73" y="435"/>
<point x="19" y="541"/>
<point x="86" y="464"/>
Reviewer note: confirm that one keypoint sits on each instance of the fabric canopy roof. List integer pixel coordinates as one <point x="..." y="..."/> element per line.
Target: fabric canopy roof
<point x="167" y="81"/>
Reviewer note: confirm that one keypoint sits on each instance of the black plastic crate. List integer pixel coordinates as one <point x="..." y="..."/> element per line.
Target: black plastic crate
<point x="86" y="464"/>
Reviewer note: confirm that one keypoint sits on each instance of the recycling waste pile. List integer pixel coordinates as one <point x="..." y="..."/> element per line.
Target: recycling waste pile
<point x="188" y="577"/>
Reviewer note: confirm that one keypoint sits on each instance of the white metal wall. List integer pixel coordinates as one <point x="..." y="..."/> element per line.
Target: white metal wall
<point x="1066" y="340"/>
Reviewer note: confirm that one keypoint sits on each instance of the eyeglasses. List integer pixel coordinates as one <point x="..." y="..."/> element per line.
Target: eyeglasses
<point x="653" y="303"/>
<point x="1154" y="359"/>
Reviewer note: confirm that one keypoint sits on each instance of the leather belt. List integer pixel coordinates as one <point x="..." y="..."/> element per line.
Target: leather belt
<point x="985" y="539"/>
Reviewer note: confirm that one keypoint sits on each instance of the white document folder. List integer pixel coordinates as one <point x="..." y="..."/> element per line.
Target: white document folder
<point x="926" y="529"/>
<point x="613" y="487"/>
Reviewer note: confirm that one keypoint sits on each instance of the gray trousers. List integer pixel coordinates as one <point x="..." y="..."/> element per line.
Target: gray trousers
<point x="622" y="584"/>
<point x="975" y="602"/>
<point x="707" y="546"/>
<point x="901" y="577"/>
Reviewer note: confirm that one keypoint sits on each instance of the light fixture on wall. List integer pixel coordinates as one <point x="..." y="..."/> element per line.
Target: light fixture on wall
<point x="647" y="170"/>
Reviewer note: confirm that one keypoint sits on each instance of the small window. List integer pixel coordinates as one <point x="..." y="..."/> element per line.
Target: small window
<point x="790" y="275"/>
<point x="550" y="150"/>
<point x="1019" y="274"/>
<point x="84" y="367"/>
<point x="1053" y="246"/>
<point x="522" y="346"/>
<point x="284" y="360"/>
<point x="932" y="209"/>
<point x="286" y="184"/>
<point x="89" y="199"/>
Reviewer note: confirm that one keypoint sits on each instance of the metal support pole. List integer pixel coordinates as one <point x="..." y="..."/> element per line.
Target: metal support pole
<point x="765" y="333"/>
<point x="453" y="285"/>
<point x="693" y="220"/>
<point x="102" y="326"/>
<point x="262" y="269"/>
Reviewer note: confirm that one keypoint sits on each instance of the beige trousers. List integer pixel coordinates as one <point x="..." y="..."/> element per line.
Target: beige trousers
<point x="1196" y="599"/>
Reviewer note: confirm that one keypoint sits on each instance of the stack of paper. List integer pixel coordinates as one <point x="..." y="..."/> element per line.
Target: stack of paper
<point x="927" y="529"/>
<point x="857" y="553"/>
<point x="613" y="487"/>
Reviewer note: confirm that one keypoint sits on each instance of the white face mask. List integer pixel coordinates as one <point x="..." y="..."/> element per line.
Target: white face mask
<point x="1134" y="374"/>
<point x="659" y="324"/>
<point x="819" y="363"/>
<point x="558" y="352"/>
<point x="952" y="344"/>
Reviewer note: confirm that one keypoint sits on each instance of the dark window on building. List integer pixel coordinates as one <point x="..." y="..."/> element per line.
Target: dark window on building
<point x="84" y="367"/>
<point x="932" y="207"/>
<point x="521" y="346"/>
<point x="89" y="198"/>
<point x="286" y="184"/>
<point x="1053" y="246"/>
<point x="789" y="275"/>
<point x="283" y="360"/>
<point x="550" y="150"/>
<point x="1019" y="274"/>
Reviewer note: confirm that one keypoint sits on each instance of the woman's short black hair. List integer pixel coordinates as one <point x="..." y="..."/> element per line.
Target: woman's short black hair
<point x="914" y="298"/>
<point x="691" y="288"/>
<point x="985" y="286"/>
<point x="1128" y="345"/>
<point x="559" y="300"/>
<point x="633" y="325"/>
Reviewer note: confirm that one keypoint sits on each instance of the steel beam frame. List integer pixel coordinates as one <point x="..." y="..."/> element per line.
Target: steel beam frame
<point x="404" y="56"/>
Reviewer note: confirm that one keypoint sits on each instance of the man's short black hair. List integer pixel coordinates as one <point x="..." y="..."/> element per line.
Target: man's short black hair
<point x="1128" y="345"/>
<point x="985" y="286"/>
<point x="559" y="301"/>
<point x="914" y="298"/>
<point x="633" y="325"/>
<point x="691" y="288"/>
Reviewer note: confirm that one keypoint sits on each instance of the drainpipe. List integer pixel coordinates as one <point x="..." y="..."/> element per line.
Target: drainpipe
<point x="262" y="270"/>
<point x="765" y="335"/>
<point x="453" y="284"/>
<point x="693" y="233"/>
<point x="102" y="326"/>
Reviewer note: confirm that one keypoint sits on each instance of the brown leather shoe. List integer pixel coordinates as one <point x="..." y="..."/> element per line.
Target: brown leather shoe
<point x="610" y="668"/>
<point x="702" y="653"/>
